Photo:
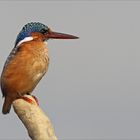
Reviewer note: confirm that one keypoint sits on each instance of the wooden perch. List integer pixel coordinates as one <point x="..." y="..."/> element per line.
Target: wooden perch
<point x="37" y="123"/>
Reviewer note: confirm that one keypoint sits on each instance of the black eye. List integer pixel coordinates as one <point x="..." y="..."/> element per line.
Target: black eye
<point x="43" y="31"/>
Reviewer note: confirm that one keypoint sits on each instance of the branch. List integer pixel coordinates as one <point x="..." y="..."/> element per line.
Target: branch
<point x="37" y="123"/>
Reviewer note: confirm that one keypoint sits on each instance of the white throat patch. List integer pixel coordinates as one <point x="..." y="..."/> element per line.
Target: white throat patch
<point x="25" y="40"/>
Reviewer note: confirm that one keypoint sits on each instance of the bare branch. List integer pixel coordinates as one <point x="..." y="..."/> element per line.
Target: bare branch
<point x="34" y="119"/>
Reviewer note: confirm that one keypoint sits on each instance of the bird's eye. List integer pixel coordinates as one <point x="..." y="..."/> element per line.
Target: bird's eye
<point x="43" y="31"/>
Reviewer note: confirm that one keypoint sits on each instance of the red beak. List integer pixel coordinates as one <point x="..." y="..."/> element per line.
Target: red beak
<point x="56" y="35"/>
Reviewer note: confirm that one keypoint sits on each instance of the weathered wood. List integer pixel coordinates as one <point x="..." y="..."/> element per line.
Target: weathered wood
<point x="34" y="119"/>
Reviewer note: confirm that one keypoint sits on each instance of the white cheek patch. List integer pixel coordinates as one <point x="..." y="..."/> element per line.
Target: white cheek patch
<point x="25" y="40"/>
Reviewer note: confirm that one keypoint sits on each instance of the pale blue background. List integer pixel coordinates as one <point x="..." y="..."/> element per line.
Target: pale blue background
<point x="92" y="88"/>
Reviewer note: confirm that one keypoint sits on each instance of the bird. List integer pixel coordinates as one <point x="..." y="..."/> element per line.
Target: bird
<point x="27" y="63"/>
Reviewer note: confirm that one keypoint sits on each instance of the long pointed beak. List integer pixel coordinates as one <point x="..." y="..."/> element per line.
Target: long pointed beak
<point x="56" y="35"/>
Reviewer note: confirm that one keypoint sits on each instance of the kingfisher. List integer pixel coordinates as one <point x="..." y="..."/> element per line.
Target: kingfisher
<point x="27" y="63"/>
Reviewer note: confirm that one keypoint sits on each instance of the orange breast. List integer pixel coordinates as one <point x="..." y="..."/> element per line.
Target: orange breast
<point x="26" y="69"/>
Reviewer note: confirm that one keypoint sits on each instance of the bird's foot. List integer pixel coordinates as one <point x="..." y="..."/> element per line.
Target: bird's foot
<point x="36" y="100"/>
<point x="29" y="100"/>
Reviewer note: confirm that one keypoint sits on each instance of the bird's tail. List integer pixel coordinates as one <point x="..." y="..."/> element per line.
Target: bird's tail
<point x="7" y="105"/>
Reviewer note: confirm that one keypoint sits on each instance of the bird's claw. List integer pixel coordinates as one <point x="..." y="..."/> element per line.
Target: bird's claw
<point x="27" y="99"/>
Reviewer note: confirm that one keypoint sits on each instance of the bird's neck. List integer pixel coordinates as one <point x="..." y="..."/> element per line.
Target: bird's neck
<point x="26" y="39"/>
<point x="38" y="37"/>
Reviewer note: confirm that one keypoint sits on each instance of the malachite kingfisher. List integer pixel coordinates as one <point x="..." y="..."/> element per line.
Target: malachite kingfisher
<point x="27" y="62"/>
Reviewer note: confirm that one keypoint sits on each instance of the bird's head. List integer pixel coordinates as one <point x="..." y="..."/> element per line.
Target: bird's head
<point x="38" y="30"/>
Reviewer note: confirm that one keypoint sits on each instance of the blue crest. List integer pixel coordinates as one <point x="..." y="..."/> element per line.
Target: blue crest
<point x="30" y="28"/>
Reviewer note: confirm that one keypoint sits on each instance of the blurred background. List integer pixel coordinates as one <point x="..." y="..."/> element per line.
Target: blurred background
<point x="92" y="87"/>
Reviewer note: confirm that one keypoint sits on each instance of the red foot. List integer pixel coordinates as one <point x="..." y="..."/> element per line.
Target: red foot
<point x="30" y="100"/>
<point x="36" y="100"/>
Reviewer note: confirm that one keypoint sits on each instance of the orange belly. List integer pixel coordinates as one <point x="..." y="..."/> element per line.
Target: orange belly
<point x="25" y="70"/>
